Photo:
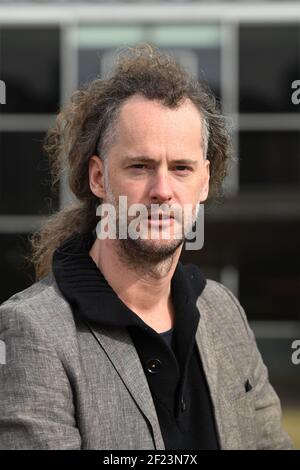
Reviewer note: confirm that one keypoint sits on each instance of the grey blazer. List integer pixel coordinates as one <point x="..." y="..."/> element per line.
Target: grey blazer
<point x="68" y="386"/>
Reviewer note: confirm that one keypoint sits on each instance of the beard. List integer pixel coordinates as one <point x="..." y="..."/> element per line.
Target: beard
<point x="153" y="258"/>
<point x="152" y="251"/>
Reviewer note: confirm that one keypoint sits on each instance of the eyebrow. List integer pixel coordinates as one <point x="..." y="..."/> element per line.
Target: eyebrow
<point x="147" y="159"/>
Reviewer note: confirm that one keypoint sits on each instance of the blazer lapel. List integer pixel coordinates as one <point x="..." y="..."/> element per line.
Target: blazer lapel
<point x="124" y="358"/>
<point x="225" y="415"/>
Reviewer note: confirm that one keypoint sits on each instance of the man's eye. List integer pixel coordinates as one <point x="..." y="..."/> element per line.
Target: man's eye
<point x="182" y="168"/>
<point x="138" y="166"/>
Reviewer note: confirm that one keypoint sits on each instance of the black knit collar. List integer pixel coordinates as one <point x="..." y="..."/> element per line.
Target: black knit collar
<point x="88" y="292"/>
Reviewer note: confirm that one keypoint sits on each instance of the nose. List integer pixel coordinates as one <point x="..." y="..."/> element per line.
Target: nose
<point x="160" y="189"/>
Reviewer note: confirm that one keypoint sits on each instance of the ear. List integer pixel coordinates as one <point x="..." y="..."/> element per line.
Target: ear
<point x="96" y="176"/>
<point x="205" y="181"/>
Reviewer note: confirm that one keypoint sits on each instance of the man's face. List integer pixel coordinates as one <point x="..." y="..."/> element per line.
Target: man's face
<point x="157" y="159"/>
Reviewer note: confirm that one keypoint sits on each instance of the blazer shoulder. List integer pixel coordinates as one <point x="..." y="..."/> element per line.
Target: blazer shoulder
<point x="224" y="310"/>
<point x="47" y="283"/>
<point x="218" y="293"/>
<point x="41" y="304"/>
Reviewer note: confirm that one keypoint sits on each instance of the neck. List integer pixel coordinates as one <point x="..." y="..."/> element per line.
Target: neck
<point x="145" y="287"/>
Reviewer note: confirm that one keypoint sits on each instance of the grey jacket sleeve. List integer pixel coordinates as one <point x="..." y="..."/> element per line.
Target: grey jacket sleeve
<point x="36" y="401"/>
<point x="269" y="431"/>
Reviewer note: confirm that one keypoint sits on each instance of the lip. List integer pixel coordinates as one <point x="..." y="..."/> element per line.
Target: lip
<point x="160" y="217"/>
<point x="164" y="221"/>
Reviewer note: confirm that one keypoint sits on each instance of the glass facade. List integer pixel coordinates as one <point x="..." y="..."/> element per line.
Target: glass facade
<point x="30" y="66"/>
<point x="265" y="59"/>
<point x="268" y="63"/>
<point x="24" y="175"/>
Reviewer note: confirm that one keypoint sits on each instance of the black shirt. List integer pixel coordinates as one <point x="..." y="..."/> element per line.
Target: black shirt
<point x="168" y="336"/>
<point x="171" y="360"/>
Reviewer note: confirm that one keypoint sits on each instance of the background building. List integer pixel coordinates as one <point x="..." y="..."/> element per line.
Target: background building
<point x="250" y="54"/>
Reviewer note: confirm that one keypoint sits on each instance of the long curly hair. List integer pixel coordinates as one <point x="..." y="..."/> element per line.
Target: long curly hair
<point x="85" y="126"/>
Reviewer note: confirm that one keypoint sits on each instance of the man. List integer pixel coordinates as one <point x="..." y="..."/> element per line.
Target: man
<point x="118" y="345"/>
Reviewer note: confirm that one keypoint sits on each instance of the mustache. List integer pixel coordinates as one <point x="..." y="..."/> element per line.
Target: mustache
<point x="177" y="212"/>
<point x="178" y="215"/>
<point x="160" y="215"/>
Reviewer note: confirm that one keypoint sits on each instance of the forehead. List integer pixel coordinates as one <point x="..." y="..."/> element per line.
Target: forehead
<point x="141" y="118"/>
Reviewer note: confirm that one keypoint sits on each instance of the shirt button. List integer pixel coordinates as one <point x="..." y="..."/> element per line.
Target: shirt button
<point x="183" y="405"/>
<point x="153" y="366"/>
